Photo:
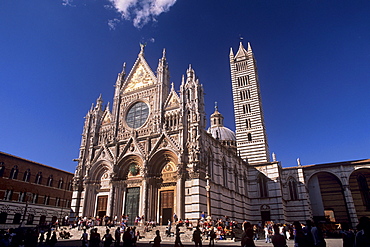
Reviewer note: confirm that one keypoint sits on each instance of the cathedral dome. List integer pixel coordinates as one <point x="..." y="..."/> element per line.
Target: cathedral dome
<point x="222" y="133"/>
<point x="219" y="131"/>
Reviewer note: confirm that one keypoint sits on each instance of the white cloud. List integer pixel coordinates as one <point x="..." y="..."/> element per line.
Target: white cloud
<point x="67" y="2"/>
<point x="113" y="23"/>
<point x="141" y="11"/>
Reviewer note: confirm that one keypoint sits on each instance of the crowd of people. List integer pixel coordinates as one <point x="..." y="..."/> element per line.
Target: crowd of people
<point x="307" y="234"/>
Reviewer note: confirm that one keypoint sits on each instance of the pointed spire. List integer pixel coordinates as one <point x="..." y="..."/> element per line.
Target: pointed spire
<point x="216" y="107"/>
<point x="107" y="107"/>
<point x="249" y="47"/>
<point x="164" y="53"/>
<point x="99" y="102"/>
<point x="172" y="86"/>
<point x="231" y="52"/>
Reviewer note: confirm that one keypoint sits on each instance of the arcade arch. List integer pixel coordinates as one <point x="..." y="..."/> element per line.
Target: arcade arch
<point x="359" y="182"/>
<point x="327" y="198"/>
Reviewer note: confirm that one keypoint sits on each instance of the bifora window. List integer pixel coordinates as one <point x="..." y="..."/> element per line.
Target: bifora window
<point x="137" y="115"/>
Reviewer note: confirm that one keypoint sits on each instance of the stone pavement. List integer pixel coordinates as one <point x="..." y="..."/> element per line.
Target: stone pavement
<point x="220" y="243"/>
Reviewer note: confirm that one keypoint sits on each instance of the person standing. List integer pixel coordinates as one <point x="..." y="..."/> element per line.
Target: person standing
<point x="127" y="238"/>
<point x="117" y="236"/>
<point x="107" y="238"/>
<point x="247" y="236"/>
<point x="177" y="238"/>
<point x="84" y="238"/>
<point x="212" y="236"/>
<point x="300" y="239"/>
<point x="278" y="240"/>
<point x="53" y="239"/>
<point x="157" y="239"/>
<point x="362" y="238"/>
<point x="197" y="238"/>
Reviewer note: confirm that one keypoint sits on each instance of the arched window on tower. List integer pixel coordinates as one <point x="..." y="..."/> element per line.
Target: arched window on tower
<point x="14" y="173"/>
<point x="262" y="185"/>
<point x="249" y="136"/>
<point x="364" y="190"/>
<point x="293" y="190"/>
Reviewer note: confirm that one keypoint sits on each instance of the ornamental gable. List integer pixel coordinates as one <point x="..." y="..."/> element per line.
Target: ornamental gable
<point x="140" y="77"/>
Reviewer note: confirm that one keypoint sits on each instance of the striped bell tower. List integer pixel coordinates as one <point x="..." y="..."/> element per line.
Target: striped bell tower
<point x="249" y="122"/>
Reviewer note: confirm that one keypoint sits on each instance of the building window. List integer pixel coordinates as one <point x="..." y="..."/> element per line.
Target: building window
<point x="3" y="216"/>
<point x="38" y="179"/>
<point x="14" y="173"/>
<point x="68" y="203"/>
<point x="249" y="136"/>
<point x="50" y="181"/>
<point x="262" y="186"/>
<point x="236" y="181"/>
<point x="46" y="200"/>
<point x="70" y="186"/>
<point x="27" y="175"/>
<point x="60" y="184"/>
<point x="293" y="189"/>
<point x="35" y="198"/>
<point x="8" y="195"/>
<point x="364" y="190"/>
<point x="57" y="201"/>
<point x="245" y="185"/>
<point x="2" y="169"/>
<point x="246" y="108"/>
<point x="22" y="196"/>
<point x="248" y="123"/>
<point x="17" y="218"/>
<point x="224" y="171"/>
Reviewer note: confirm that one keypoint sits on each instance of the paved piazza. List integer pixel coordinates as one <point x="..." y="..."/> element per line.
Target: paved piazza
<point x="259" y="243"/>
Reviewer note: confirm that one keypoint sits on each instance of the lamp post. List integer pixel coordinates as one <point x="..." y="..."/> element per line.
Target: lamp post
<point x="28" y="195"/>
<point x="208" y="189"/>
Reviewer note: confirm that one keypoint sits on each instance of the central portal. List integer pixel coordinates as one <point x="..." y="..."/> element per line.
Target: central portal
<point x="132" y="204"/>
<point x="166" y="206"/>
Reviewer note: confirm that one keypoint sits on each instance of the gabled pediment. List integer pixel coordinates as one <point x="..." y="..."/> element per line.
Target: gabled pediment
<point x="131" y="147"/>
<point x="140" y="76"/>
<point x="104" y="153"/>
<point x="106" y="118"/>
<point x="172" y="102"/>
<point x="164" y="142"/>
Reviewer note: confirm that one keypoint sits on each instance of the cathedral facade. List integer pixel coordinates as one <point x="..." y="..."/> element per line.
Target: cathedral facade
<point x="152" y="155"/>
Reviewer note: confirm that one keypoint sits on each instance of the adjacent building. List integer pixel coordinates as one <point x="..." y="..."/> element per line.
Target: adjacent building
<point x="31" y="193"/>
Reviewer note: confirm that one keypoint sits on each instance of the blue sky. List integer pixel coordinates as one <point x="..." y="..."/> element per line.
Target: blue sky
<point x="313" y="60"/>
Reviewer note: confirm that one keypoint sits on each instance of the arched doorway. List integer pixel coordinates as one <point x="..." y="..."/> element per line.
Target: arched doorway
<point x="327" y="198"/>
<point x="164" y="189"/>
<point x="131" y="171"/>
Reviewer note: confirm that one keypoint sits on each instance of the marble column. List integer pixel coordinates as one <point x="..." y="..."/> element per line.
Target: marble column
<point x="350" y="205"/>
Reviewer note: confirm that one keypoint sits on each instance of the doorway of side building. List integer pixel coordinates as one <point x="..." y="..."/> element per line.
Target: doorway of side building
<point x="166" y="206"/>
<point x="101" y="208"/>
<point x="132" y="204"/>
